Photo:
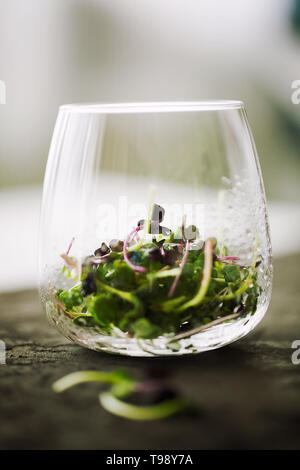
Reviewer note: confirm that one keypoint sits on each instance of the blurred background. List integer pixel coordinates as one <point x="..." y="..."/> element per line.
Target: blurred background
<point x="54" y="52"/>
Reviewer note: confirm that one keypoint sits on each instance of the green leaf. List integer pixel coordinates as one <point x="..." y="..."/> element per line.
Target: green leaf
<point x="71" y="298"/>
<point x="144" y="329"/>
<point x="231" y="273"/>
<point x="123" y="276"/>
<point x="104" y="308"/>
<point x="125" y="320"/>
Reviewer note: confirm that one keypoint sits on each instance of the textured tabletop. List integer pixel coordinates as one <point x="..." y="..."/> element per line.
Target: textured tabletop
<point x="248" y="393"/>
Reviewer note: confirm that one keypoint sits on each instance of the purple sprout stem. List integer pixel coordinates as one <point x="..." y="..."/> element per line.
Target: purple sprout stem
<point x="182" y="264"/>
<point x="70" y="246"/>
<point x="139" y="269"/>
<point x="227" y="259"/>
<point x="100" y="259"/>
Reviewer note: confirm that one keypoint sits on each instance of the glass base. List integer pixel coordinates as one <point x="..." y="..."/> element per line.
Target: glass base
<point x="213" y="338"/>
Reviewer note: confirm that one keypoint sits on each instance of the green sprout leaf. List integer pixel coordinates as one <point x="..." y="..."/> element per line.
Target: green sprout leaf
<point x="144" y="329"/>
<point x="103" y="308"/>
<point x="231" y="273"/>
<point x="71" y="298"/>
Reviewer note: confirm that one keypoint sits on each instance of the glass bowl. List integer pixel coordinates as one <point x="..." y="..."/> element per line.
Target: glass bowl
<point x="154" y="235"/>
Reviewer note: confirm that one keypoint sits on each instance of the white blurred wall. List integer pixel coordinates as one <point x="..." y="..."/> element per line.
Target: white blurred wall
<point x="59" y="51"/>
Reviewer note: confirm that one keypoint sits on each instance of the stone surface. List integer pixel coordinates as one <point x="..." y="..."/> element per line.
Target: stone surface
<point x="247" y="393"/>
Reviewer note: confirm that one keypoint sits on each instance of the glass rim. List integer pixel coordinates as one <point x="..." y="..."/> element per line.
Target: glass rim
<point x="152" y="107"/>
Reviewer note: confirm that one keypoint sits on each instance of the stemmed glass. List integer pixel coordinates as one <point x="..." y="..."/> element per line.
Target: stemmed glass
<point x="154" y="235"/>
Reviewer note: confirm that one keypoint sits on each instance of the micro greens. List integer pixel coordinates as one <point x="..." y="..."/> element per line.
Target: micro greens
<point x="124" y="386"/>
<point x="130" y="286"/>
